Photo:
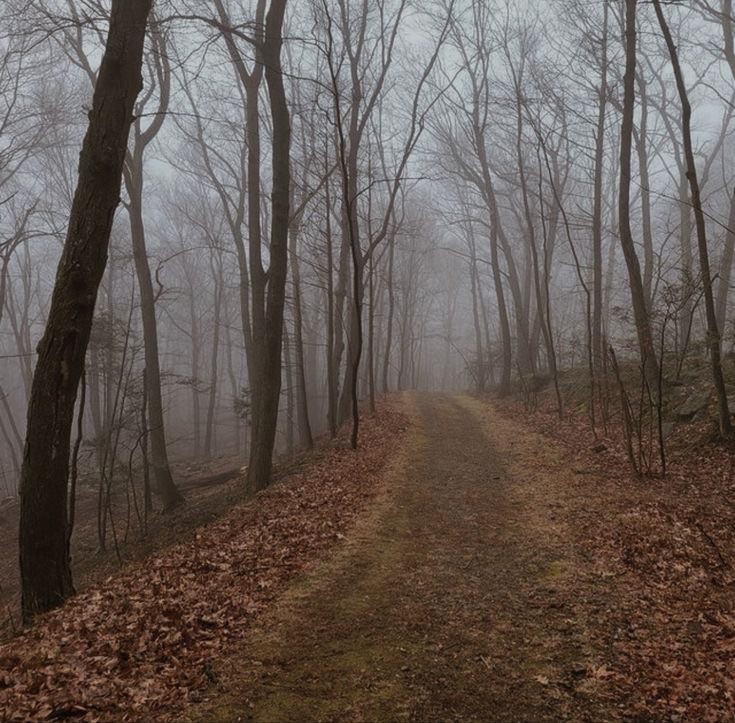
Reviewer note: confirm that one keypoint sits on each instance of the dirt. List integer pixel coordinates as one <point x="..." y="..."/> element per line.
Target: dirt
<point x="460" y="596"/>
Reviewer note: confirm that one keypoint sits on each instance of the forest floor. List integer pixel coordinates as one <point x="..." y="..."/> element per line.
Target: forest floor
<point x="460" y="597"/>
<point x="148" y="640"/>
<point x="210" y="490"/>
<point x="471" y="562"/>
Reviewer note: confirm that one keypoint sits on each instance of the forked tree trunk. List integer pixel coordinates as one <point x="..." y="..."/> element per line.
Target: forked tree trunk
<point x="542" y="310"/>
<point x="638" y="297"/>
<point x="44" y="553"/>
<point x="496" y="237"/>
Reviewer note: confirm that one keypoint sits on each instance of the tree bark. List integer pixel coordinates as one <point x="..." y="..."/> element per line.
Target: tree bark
<point x="332" y="371"/>
<point x="371" y="335"/>
<point x="219" y="290"/>
<point x="44" y="552"/>
<point x="723" y="287"/>
<point x="391" y="313"/>
<point x="163" y="481"/>
<point x="640" y="308"/>
<point x="597" y="283"/>
<point x="195" y="346"/>
<point x="642" y="150"/>
<point x="302" y="402"/>
<point x="713" y="334"/>
<point x="271" y="324"/>
<point x="475" y="290"/>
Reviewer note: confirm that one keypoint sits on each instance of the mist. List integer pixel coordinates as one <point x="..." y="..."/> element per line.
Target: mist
<point x="236" y="236"/>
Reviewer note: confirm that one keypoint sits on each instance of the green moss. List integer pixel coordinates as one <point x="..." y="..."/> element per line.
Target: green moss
<point x="556" y="568"/>
<point x="321" y="682"/>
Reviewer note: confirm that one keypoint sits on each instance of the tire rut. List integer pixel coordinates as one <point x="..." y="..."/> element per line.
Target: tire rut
<point x="454" y="602"/>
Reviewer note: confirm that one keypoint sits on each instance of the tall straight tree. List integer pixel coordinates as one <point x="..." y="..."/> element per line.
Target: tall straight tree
<point x="44" y="553"/>
<point x="597" y="208"/>
<point x="269" y="289"/>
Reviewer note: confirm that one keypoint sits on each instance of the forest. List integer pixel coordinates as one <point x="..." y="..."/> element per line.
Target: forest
<point x="394" y="335"/>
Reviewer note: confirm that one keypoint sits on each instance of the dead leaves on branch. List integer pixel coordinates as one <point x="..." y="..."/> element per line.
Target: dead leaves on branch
<point x="147" y="641"/>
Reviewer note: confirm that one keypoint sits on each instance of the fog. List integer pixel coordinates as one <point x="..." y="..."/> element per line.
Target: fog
<point x="455" y="219"/>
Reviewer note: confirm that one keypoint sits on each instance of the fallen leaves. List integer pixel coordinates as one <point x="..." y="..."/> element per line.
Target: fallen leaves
<point x="145" y="642"/>
<point x="664" y="550"/>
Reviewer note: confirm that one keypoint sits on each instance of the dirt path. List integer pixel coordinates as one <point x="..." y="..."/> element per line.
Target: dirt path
<point x="461" y="598"/>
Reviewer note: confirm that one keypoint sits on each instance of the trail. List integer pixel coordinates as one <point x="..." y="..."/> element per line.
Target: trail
<point x="459" y="598"/>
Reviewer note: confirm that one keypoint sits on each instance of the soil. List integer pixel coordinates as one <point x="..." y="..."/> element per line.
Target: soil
<point x="462" y="595"/>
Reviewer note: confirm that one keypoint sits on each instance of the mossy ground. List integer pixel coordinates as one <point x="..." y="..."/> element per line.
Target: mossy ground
<point x="457" y="597"/>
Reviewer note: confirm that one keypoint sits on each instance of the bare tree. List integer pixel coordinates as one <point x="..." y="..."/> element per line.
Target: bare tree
<point x="713" y="334"/>
<point x="44" y="551"/>
<point x="269" y="292"/>
<point x="638" y="297"/>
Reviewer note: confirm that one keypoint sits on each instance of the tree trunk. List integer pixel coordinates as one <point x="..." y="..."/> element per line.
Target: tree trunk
<point x="163" y="481"/>
<point x="479" y="352"/>
<point x="642" y="149"/>
<point x="288" y="365"/>
<point x="391" y="313"/>
<point x="713" y="334"/>
<point x="496" y="237"/>
<point x="258" y="279"/>
<point x="640" y="308"/>
<point x="348" y="396"/>
<point x="371" y="336"/>
<point x="723" y="286"/>
<point x="341" y="405"/>
<point x="195" y="343"/>
<point x="214" y="363"/>
<point x="235" y="386"/>
<point x="332" y="372"/>
<point x="271" y="324"/>
<point x="44" y="551"/>
<point x="502" y="311"/>
<point x="302" y="402"/>
<point x="542" y="309"/>
<point x="597" y="346"/>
